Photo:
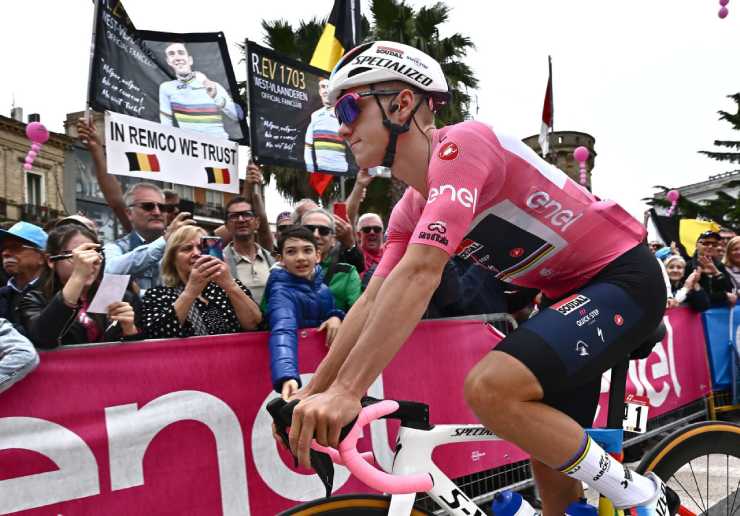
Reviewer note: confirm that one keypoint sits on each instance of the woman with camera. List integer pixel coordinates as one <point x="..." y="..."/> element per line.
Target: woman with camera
<point x="199" y="296"/>
<point x="54" y="312"/>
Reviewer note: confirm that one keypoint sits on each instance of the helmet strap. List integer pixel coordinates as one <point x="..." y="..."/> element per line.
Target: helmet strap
<point x="394" y="131"/>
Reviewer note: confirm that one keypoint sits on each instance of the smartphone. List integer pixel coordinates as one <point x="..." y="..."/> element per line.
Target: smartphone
<point x="340" y="210"/>
<point x="212" y="246"/>
<point x="186" y="205"/>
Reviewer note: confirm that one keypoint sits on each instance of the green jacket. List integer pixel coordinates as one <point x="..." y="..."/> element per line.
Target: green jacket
<point x="345" y="284"/>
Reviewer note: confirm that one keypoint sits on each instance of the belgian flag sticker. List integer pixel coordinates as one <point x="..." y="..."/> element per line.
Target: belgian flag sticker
<point x="219" y="176"/>
<point x="138" y="161"/>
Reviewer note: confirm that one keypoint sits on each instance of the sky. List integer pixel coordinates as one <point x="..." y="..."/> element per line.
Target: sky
<point x="646" y="79"/>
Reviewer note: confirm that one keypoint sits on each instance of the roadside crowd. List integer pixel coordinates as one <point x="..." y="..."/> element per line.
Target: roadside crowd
<point x="305" y="274"/>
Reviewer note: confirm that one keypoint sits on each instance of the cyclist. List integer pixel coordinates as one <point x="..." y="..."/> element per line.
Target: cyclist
<point x="489" y="199"/>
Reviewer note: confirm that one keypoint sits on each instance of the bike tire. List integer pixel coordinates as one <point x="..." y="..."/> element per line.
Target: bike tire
<point x="706" y="447"/>
<point x="353" y="505"/>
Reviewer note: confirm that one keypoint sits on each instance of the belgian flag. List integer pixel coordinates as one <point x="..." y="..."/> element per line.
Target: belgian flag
<point x="341" y="33"/>
<point x="139" y="161"/>
<point x="219" y="176"/>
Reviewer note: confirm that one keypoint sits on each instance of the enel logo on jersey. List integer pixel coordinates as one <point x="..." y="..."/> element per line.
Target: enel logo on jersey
<point x="461" y="195"/>
<point x="552" y="210"/>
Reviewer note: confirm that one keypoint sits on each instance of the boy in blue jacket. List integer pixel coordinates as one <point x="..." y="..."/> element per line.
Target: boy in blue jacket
<point x="296" y="298"/>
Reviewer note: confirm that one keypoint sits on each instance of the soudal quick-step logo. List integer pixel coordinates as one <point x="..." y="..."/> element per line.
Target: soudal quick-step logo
<point x="390" y="51"/>
<point x="571" y="304"/>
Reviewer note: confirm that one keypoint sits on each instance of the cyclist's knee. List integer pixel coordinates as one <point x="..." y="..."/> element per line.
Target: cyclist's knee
<point x="498" y="380"/>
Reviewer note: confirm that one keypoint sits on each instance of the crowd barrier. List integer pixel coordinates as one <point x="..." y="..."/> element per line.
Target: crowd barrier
<point x="721" y="326"/>
<point x="179" y="426"/>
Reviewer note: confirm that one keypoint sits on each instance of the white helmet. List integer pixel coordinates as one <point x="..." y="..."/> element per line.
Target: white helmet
<point x="382" y="61"/>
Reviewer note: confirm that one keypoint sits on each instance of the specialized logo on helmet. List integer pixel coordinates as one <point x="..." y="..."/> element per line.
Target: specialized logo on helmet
<point x="448" y="151"/>
<point x="389" y="51"/>
<point x="391" y="64"/>
<point x="418" y="62"/>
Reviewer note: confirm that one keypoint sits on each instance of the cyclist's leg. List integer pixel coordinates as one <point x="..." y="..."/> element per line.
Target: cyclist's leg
<point x="559" y="350"/>
<point x="556" y="489"/>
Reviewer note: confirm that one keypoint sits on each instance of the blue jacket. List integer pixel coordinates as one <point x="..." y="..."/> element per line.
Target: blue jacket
<point x="294" y="303"/>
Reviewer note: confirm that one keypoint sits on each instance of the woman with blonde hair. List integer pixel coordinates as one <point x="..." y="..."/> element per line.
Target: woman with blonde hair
<point x="732" y="263"/>
<point x="198" y="296"/>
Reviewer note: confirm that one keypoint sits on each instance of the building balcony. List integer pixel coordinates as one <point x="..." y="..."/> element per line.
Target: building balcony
<point x="38" y="214"/>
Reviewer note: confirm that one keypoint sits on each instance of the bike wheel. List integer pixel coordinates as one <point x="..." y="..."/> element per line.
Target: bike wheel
<point x="701" y="463"/>
<point x="354" y="505"/>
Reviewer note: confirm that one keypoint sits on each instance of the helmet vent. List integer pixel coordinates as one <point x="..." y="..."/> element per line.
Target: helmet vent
<point x="357" y="71"/>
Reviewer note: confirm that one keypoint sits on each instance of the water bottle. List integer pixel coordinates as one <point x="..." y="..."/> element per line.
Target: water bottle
<point x="581" y="508"/>
<point x="511" y="503"/>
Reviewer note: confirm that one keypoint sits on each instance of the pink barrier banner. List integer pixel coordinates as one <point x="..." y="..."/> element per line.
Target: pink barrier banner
<point x="180" y="427"/>
<point x="676" y="372"/>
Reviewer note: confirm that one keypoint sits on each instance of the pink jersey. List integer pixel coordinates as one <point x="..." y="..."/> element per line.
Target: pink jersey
<point x="494" y="202"/>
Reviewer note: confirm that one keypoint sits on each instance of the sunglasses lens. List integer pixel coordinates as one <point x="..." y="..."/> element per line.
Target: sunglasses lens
<point x="167" y="208"/>
<point x="347" y="109"/>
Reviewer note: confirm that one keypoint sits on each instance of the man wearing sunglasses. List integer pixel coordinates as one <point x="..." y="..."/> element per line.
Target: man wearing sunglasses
<point x="248" y="261"/>
<point x="370" y="236"/>
<point x="714" y="279"/>
<point x="489" y="199"/>
<point x="139" y="252"/>
<point x="22" y="249"/>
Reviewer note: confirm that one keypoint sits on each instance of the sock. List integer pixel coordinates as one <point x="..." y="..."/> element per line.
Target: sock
<point x="608" y="476"/>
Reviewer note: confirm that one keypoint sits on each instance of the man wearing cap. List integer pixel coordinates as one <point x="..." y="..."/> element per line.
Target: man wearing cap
<point x="23" y="260"/>
<point x="714" y="279"/>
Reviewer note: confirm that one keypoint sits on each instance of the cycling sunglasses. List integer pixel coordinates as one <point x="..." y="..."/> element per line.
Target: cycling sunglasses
<point x="149" y="206"/>
<point x="374" y="229"/>
<point x="236" y="215"/>
<point x="347" y="108"/>
<point x="323" y="230"/>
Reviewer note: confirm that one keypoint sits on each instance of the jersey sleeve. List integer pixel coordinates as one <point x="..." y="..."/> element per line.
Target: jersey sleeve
<point x="467" y="159"/>
<point x="400" y="228"/>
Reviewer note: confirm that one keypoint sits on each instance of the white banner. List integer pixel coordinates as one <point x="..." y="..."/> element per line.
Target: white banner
<point x="140" y="148"/>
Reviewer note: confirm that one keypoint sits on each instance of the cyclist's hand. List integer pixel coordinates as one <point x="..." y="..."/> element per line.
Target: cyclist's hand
<point x="322" y="417"/>
<point x="289" y="388"/>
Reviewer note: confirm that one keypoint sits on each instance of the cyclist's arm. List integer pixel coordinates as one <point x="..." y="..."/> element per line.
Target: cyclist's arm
<point x="395" y="312"/>
<point x="349" y="333"/>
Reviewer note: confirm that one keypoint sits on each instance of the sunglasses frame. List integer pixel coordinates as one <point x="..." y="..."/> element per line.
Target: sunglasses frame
<point x="323" y="230"/>
<point x="168" y="208"/>
<point x="355" y="97"/>
<point x="240" y="214"/>
<point x="374" y="229"/>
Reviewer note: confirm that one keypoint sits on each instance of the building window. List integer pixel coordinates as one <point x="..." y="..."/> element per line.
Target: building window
<point x="185" y="192"/>
<point x="214" y="198"/>
<point x="35" y="189"/>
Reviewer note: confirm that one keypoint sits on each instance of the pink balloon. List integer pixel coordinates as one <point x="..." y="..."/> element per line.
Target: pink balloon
<point x="32" y="154"/>
<point x="37" y="133"/>
<point x="581" y="154"/>
<point x="36" y="146"/>
<point x="724" y="2"/>
<point x="723" y="12"/>
<point x="27" y="166"/>
<point x="29" y="159"/>
<point x="672" y="195"/>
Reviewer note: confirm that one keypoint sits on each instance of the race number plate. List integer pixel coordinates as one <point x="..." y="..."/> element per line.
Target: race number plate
<point x="635" y="413"/>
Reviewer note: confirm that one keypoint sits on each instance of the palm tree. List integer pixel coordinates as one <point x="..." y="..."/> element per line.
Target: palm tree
<point x="394" y="20"/>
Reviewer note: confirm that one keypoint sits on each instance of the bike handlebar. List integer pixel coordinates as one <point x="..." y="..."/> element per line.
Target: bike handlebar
<point x="357" y="463"/>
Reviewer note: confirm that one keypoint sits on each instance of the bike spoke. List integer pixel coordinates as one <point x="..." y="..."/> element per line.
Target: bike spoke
<point x="737" y="488"/>
<point x="693" y="475"/>
<point x="685" y="490"/>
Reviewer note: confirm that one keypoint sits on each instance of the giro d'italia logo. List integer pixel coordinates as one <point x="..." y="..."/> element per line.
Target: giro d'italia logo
<point x="448" y="151"/>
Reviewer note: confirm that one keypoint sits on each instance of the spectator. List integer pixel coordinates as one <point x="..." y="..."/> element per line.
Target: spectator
<point x="198" y="296"/>
<point x="251" y="192"/>
<point x="23" y="260"/>
<point x="55" y="311"/>
<point x="248" y="261"/>
<point x="18" y="357"/>
<point x="171" y="198"/>
<point x="296" y="298"/>
<point x="370" y="234"/>
<point x="357" y="195"/>
<point x="283" y="221"/>
<point x="725" y="235"/>
<point x="301" y="207"/>
<point x="109" y="185"/>
<point x="139" y="252"/>
<point x="732" y="263"/>
<point x="655" y="245"/>
<point x="342" y="278"/>
<point x="714" y="279"/>
<point x="690" y="291"/>
<point x="79" y="219"/>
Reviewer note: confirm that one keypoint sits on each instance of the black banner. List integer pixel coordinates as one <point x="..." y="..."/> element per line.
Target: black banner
<point x="291" y="123"/>
<point x="182" y="80"/>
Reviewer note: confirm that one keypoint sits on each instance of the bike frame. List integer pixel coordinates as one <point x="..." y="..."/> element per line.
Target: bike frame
<point x="414" y="455"/>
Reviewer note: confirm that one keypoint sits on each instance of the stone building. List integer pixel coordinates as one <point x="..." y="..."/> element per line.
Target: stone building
<point x="562" y="145"/>
<point x="37" y="195"/>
